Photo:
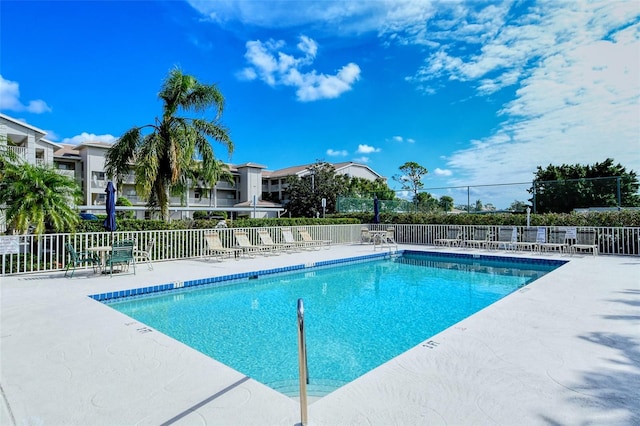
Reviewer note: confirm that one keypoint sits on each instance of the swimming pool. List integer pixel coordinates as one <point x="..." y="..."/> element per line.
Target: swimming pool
<point x="357" y="315"/>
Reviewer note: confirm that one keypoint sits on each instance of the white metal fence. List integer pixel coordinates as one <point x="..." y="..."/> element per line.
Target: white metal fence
<point x="31" y="253"/>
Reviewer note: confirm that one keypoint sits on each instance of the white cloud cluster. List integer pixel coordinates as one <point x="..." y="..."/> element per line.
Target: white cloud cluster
<point x="338" y="153"/>
<point x="579" y="102"/>
<point x="89" y="137"/>
<point x="401" y="139"/>
<point x="10" y="99"/>
<point x="366" y="149"/>
<point x="442" y="172"/>
<point x="269" y="63"/>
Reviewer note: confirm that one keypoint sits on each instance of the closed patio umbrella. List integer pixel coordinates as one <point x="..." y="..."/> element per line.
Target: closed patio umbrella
<point x="376" y="210"/>
<point x="110" y="221"/>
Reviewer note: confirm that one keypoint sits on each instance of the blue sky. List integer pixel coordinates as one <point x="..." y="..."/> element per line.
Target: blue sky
<point x="479" y="93"/>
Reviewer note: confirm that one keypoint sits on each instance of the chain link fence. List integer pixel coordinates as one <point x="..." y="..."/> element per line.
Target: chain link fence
<point x="608" y="193"/>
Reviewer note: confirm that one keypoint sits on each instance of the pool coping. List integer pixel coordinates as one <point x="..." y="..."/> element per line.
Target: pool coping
<point x="564" y="350"/>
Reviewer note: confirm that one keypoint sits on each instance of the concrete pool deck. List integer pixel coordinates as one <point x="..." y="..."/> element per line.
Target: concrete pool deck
<point x="563" y="350"/>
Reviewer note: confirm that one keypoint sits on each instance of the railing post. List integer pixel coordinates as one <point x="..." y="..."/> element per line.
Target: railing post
<point x="302" y="364"/>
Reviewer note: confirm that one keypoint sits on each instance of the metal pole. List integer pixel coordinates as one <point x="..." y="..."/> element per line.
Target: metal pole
<point x="302" y="364"/>
<point x="619" y="192"/>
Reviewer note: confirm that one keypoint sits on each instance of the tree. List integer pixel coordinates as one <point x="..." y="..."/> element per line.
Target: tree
<point x="164" y="155"/>
<point x="478" y="207"/>
<point x="425" y="202"/>
<point x="37" y="197"/>
<point x="563" y="188"/>
<point x="411" y="177"/>
<point x="358" y="187"/>
<point x="446" y="203"/>
<point x="306" y="193"/>
<point x="518" y="206"/>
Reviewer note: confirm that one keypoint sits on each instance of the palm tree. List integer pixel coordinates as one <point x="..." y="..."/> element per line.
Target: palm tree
<point x="164" y="156"/>
<point x="35" y="196"/>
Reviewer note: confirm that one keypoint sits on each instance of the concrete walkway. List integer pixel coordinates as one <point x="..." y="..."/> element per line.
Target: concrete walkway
<point x="563" y="350"/>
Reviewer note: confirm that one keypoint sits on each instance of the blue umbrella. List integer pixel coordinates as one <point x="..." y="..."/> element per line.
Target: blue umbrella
<point x="110" y="221"/>
<point x="376" y="210"/>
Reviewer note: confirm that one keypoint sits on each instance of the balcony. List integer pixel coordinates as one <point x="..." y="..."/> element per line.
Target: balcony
<point x="20" y="151"/>
<point x="68" y="173"/>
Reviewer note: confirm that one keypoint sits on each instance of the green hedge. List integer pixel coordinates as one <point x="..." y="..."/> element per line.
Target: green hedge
<point x="629" y="218"/>
<point x="626" y="218"/>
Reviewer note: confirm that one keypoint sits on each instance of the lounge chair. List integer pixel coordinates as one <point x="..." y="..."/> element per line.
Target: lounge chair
<point x="528" y="239"/>
<point x="452" y="238"/>
<point x="480" y="238"/>
<point x="287" y="236"/>
<point x="247" y="247"/>
<point x="586" y="239"/>
<point x="365" y="236"/>
<point x="145" y="255"/>
<point x="306" y="237"/>
<point x="214" y="247"/>
<point x="78" y="259"/>
<point x="557" y="241"/>
<point x="507" y="237"/>
<point x="121" y="256"/>
<point x="266" y="240"/>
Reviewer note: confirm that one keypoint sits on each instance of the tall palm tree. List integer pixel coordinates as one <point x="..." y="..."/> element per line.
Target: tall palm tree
<point x="35" y="197"/>
<point x="163" y="156"/>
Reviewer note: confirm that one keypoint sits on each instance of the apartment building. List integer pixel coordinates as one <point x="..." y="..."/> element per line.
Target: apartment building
<point x="253" y="185"/>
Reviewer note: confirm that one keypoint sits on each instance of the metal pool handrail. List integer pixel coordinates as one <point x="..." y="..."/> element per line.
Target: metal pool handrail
<point x="302" y="364"/>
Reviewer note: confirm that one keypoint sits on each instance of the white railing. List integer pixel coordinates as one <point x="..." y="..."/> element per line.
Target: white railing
<point x="21" y="151"/>
<point x="30" y="253"/>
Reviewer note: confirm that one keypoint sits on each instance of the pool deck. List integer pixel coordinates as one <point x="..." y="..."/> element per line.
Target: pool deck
<point x="563" y="350"/>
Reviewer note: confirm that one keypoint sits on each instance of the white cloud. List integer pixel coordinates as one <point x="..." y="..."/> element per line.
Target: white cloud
<point x="89" y="137"/>
<point x="397" y="139"/>
<point x="269" y="63"/>
<point x="442" y="172"/>
<point x="366" y="149"/>
<point x="334" y="153"/>
<point x="579" y="103"/>
<point x="10" y="99"/>
<point x="362" y="159"/>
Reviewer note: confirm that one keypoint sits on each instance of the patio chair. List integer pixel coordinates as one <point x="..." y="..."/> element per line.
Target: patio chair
<point x="528" y="239"/>
<point x="306" y="237"/>
<point x="79" y="259"/>
<point x="121" y="256"/>
<point x="557" y="241"/>
<point x="247" y="247"/>
<point x="214" y="247"/>
<point x="480" y="238"/>
<point x="507" y="237"/>
<point x="145" y="255"/>
<point x="365" y="236"/>
<point x="287" y="236"/>
<point x="452" y="239"/>
<point x="585" y="240"/>
<point x="266" y="240"/>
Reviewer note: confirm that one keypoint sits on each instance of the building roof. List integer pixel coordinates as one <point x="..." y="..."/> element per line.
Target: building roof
<point x="300" y="170"/>
<point x="23" y="124"/>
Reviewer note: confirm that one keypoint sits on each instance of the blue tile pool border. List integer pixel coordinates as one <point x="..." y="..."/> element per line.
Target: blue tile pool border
<point x="112" y="296"/>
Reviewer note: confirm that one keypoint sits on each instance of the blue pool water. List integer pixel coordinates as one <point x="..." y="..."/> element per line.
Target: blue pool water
<point x="357" y="315"/>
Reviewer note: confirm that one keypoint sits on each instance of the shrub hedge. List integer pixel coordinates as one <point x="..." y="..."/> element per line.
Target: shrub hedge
<point x="624" y="218"/>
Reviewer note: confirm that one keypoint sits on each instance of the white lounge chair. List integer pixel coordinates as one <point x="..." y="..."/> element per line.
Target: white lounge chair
<point x="586" y="239"/>
<point x="306" y="237"/>
<point x="247" y="247"/>
<point x="214" y="247"/>
<point x="452" y="239"/>
<point x="528" y="239"/>
<point x="287" y="237"/>
<point x="480" y="238"/>
<point x="365" y="236"/>
<point x="557" y="241"/>
<point x="507" y="237"/>
<point x="267" y="241"/>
